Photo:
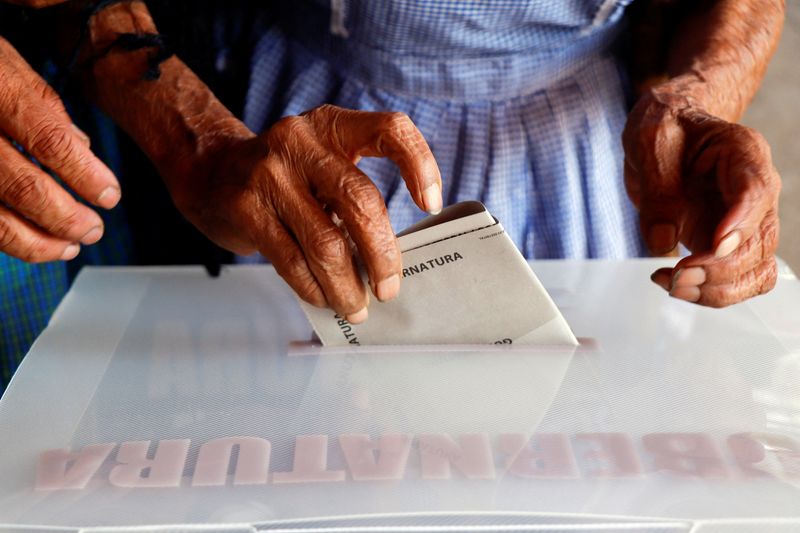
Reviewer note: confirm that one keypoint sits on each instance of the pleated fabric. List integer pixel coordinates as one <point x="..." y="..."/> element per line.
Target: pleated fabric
<point x="522" y="102"/>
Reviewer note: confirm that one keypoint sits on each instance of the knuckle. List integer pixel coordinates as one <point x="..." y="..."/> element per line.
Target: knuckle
<point x="288" y="262"/>
<point x="771" y="183"/>
<point x="324" y="163"/>
<point x="8" y="236"/>
<point x="294" y="271"/>
<point x="768" y="277"/>
<point x="307" y="288"/>
<point x="719" y="298"/>
<point x="80" y="164"/>
<point x="328" y="249"/>
<point x="776" y="186"/>
<point x="25" y="189"/>
<point x="327" y="108"/>
<point x="51" y="143"/>
<point x="746" y="285"/>
<point x="751" y="152"/>
<point x="288" y="127"/>
<point x="65" y="224"/>
<point x="35" y="251"/>
<point x="364" y="204"/>
<point x="397" y="121"/>
<point x="8" y="74"/>
<point x="759" y="280"/>
<point x="46" y="93"/>
<point x="365" y="197"/>
<point x="753" y="136"/>
<point x="382" y="253"/>
<point x="271" y="169"/>
<point x="769" y="233"/>
<point x="397" y="135"/>
<point x="6" y="96"/>
<point x="309" y="291"/>
<point x="399" y="126"/>
<point x="323" y="111"/>
<point x="326" y="121"/>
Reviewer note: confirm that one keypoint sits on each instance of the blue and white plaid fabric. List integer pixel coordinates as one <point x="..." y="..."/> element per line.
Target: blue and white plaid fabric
<point x="522" y="102"/>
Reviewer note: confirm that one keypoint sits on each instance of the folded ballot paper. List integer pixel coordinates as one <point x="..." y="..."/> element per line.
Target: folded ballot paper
<point x="463" y="282"/>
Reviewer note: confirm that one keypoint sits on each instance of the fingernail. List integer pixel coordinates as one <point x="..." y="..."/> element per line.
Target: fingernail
<point x="93" y="235"/>
<point x="690" y="294"/>
<point x="85" y="138"/>
<point x="388" y="288"/>
<point x="689" y="277"/>
<point x="728" y="244"/>
<point x="109" y="197"/>
<point x="70" y="252"/>
<point x="662" y="238"/>
<point x="432" y="197"/>
<point x="358" y="317"/>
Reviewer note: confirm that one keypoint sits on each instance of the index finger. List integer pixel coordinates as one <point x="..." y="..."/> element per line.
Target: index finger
<point x="356" y="200"/>
<point x="392" y="135"/>
<point x="749" y="183"/>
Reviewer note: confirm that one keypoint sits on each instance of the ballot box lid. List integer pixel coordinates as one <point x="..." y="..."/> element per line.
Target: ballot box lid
<point x="163" y="398"/>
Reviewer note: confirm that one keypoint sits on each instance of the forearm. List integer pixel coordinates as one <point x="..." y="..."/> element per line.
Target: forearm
<point x="175" y="119"/>
<point x="717" y="52"/>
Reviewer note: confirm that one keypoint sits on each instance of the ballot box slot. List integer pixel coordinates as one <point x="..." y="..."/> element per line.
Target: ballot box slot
<point x="313" y="348"/>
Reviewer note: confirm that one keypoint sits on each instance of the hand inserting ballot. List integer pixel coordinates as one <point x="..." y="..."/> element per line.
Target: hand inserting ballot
<point x="710" y="185"/>
<point x="276" y="193"/>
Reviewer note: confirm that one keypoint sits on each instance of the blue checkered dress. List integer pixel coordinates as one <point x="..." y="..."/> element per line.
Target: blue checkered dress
<point x="522" y="102"/>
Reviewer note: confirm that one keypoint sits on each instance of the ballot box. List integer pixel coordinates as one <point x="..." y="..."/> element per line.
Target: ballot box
<point x="161" y="398"/>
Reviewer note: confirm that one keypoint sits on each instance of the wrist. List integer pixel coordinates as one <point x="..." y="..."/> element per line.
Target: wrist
<point x="173" y="116"/>
<point x="175" y="119"/>
<point x="217" y="153"/>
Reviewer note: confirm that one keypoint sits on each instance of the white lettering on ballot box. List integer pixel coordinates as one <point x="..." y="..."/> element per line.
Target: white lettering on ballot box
<point x="160" y="398"/>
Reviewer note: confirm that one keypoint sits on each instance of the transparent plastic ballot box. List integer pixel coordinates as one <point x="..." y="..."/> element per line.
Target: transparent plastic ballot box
<point x="162" y="399"/>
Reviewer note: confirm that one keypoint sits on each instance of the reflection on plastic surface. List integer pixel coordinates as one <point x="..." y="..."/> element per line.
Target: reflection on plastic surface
<point x="159" y="396"/>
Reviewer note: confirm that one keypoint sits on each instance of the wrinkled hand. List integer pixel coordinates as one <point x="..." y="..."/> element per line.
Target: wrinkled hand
<point x="295" y="195"/>
<point x="39" y="220"/>
<point x="711" y="185"/>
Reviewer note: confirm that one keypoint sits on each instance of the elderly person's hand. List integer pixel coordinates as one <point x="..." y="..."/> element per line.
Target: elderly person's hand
<point x="277" y="194"/>
<point x="39" y="219"/>
<point x="709" y="184"/>
<point x="293" y="193"/>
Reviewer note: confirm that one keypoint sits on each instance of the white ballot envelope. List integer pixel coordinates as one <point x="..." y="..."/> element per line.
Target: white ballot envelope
<point x="463" y="282"/>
